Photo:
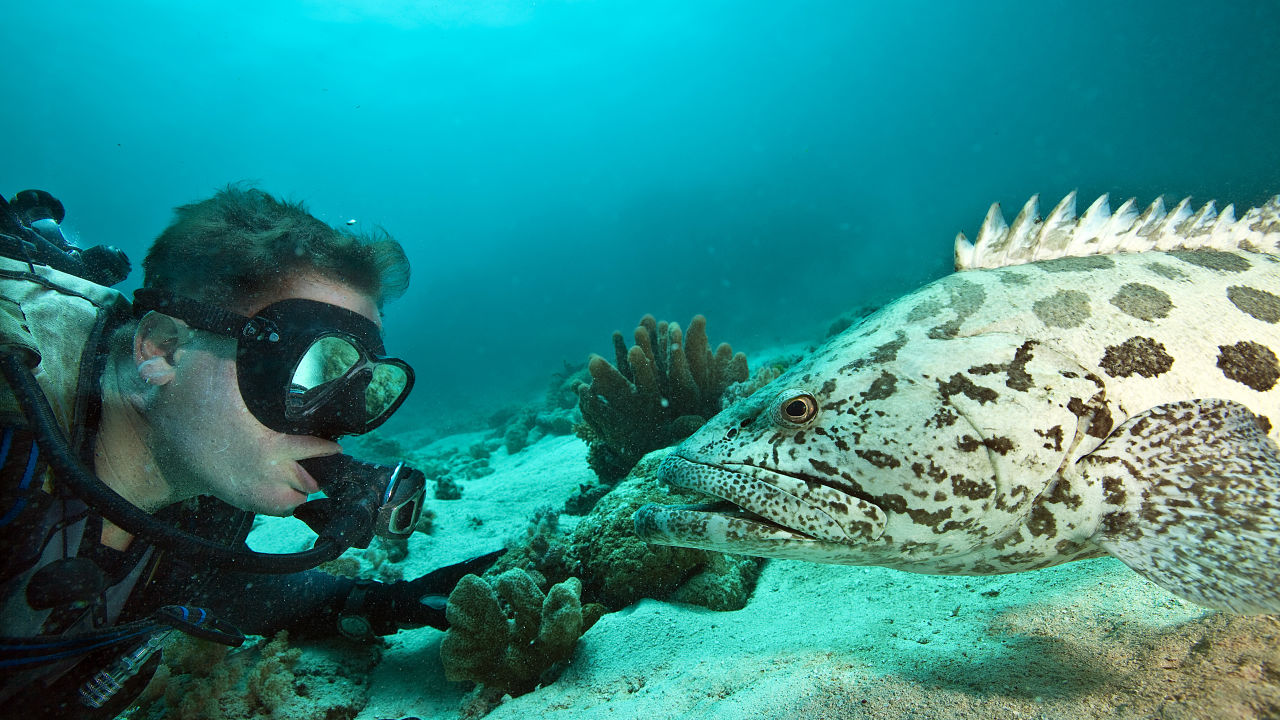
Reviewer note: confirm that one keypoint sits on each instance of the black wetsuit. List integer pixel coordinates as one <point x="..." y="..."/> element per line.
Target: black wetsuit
<point x="140" y="580"/>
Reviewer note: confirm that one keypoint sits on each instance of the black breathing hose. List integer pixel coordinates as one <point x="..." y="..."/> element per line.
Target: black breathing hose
<point x="130" y="518"/>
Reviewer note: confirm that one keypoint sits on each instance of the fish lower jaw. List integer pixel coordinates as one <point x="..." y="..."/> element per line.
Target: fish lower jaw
<point x="736" y="512"/>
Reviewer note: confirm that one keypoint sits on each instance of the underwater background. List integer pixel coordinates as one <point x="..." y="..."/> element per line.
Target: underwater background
<point x="557" y="169"/>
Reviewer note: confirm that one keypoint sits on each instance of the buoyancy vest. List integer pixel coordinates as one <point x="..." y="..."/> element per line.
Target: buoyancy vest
<point x="61" y="324"/>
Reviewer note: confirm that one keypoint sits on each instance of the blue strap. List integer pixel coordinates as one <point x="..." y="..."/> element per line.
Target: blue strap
<point x="28" y="475"/>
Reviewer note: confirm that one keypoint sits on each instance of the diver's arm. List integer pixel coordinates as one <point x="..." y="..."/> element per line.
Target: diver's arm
<point x="306" y="604"/>
<point x="315" y="603"/>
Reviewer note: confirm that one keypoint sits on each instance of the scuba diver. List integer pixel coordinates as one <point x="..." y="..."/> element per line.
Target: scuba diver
<point x="138" y="441"/>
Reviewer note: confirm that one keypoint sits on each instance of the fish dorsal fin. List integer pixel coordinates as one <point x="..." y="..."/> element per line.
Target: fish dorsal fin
<point x="1192" y="498"/>
<point x="1100" y="231"/>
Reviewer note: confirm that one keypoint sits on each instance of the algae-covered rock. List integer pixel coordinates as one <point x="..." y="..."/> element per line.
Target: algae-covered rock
<point x="509" y="636"/>
<point x="661" y="389"/>
<point x="619" y="568"/>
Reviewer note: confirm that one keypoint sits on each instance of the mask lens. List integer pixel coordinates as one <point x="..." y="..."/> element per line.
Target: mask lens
<point x="385" y="388"/>
<point x="335" y="379"/>
<point x="328" y="359"/>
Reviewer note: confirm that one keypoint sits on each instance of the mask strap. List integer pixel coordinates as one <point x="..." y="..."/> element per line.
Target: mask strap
<point x="202" y="316"/>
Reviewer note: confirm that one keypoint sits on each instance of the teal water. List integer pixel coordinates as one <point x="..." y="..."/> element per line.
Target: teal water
<point x="557" y="169"/>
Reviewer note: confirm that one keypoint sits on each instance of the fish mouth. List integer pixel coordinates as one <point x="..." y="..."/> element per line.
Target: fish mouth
<point x="760" y="511"/>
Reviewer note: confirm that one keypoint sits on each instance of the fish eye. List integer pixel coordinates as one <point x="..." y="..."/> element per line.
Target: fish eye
<point x="797" y="408"/>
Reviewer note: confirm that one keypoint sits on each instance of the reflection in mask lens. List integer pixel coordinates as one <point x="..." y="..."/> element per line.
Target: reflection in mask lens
<point x="386" y="386"/>
<point x="333" y="363"/>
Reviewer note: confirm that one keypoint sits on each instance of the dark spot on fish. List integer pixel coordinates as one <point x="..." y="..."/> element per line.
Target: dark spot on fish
<point x="880" y="459"/>
<point x="1013" y="278"/>
<point x="944" y="417"/>
<point x="1264" y="423"/>
<point x="1136" y="356"/>
<point x="798" y="438"/>
<point x="988" y="369"/>
<point x="929" y="308"/>
<point x="966" y="299"/>
<point x="1213" y="260"/>
<point x="1001" y="543"/>
<point x="898" y="504"/>
<point x="824" y="467"/>
<point x="1167" y="272"/>
<point x="1061" y="494"/>
<point x="946" y="330"/>
<point x="1258" y="304"/>
<point x="1142" y="301"/>
<point x="1063" y="309"/>
<point x="1064" y="546"/>
<point x="881" y="388"/>
<point x="1041" y="522"/>
<point x="1113" y="489"/>
<point x="1019" y="378"/>
<point x="1076" y="264"/>
<point x="889" y="351"/>
<point x="885" y="353"/>
<point x="828" y="387"/>
<point x="959" y="384"/>
<point x="1055" y="434"/>
<point x="1249" y="363"/>
<point x="1102" y="422"/>
<point x="998" y="445"/>
<point x="972" y="489"/>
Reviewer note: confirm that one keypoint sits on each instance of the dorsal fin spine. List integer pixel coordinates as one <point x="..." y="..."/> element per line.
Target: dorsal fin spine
<point x="1102" y="231"/>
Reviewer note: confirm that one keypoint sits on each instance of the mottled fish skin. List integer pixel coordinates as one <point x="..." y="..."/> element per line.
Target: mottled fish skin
<point x="958" y="430"/>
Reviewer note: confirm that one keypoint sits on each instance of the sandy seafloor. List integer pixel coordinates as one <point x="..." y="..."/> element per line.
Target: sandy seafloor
<point x="1088" y="639"/>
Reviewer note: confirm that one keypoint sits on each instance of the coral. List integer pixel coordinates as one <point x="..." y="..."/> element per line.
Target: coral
<point x="397" y="549"/>
<point x="541" y="550"/>
<point x="269" y="683"/>
<point x="447" y="488"/>
<point x="426" y="522"/>
<point x="508" y="635"/>
<point x="376" y="562"/>
<point x="534" y="422"/>
<point x="618" y="569"/>
<point x="201" y="680"/>
<point x="585" y="497"/>
<point x="662" y="389"/>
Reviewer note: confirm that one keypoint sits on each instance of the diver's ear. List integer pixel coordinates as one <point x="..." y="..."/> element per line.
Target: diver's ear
<point x="155" y="343"/>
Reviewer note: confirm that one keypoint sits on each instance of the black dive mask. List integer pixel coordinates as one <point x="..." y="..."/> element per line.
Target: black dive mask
<point x="304" y="367"/>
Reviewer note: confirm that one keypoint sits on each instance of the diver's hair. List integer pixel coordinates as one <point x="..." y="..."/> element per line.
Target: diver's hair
<point x="242" y="242"/>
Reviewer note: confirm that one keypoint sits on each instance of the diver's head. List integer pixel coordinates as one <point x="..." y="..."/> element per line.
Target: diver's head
<point x="304" y="367"/>
<point x="259" y="340"/>
<point x="235" y="248"/>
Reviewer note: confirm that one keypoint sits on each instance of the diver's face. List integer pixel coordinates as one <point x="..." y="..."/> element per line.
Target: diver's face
<point x="209" y="439"/>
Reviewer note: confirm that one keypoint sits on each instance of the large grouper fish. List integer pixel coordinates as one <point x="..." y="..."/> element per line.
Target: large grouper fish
<point x="1080" y="386"/>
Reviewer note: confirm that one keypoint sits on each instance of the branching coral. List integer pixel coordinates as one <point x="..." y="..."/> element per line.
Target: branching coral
<point x="508" y="635"/>
<point x="662" y="389"/>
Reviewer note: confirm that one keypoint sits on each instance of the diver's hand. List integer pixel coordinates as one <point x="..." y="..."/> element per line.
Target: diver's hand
<point x="414" y="603"/>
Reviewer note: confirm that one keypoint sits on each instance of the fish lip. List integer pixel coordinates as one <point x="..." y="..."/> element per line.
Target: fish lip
<point x="831" y="513"/>
<point x="730" y="509"/>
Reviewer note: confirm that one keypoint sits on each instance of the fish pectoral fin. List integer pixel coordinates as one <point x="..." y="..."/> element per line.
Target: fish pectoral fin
<point x="1192" y="498"/>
